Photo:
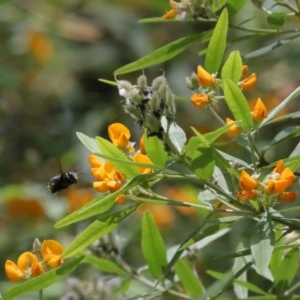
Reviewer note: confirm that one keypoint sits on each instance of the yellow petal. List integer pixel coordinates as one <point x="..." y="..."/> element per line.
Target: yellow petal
<point x="249" y="82"/>
<point x="204" y="78"/>
<point x="259" y="111"/>
<point x="119" y="134"/>
<point x="247" y="183"/>
<point x="12" y="271"/>
<point x="200" y="100"/>
<point x="143" y="159"/>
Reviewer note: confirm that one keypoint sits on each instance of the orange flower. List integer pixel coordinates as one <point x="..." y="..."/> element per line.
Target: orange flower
<point x="200" y="100"/>
<point x="246" y="195"/>
<point x="244" y="71"/>
<point x="121" y="199"/>
<point x="247" y="182"/>
<point x="40" y="46"/>
<point x="288" y="196"/>
<point x="142" y="144"/>
<point x="259" y="111"/>
<point x="119" y="135"/>
<point x="249" y="82"/>
<point x="204" y="78"/>
<point x="233" y="130"/>
<point x="107" y="176"/>
<point x="170" y="14"/>
<point x="27" y="266"/>
<point x="94" y="161"/>
<point x="143" y="159"/>
<point x="51" y="251"/>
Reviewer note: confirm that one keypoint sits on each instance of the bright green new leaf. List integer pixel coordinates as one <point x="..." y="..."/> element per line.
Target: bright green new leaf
<point x="104" y="265"/>
<point x="190" y="281"/>
<point x="217" y="44"/>
<point x="44" y="280"/>
<point x="96" y="230"/>
<point x="160" y="55"/>
<point x="156" y="151"/>
<point x="232" y="68"/>
<point x="262" y="245"/>
<point x="153" y="247"/>
<point x="122" y="162"/>
<point x="88" y="142"/>
<point x="238" y="105"/>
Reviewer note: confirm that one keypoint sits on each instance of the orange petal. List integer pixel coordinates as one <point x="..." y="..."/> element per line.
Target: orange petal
<point x="288" y="176"/>
<point x="119" y="134"/>
<point x="94" y="161"/>
<point x="12" y="271"/>
<point x="288" y="196"/>
<point x="143" y="159"/>
<point x="200" y="100"/>
<point x="51" y="252"/>
<point x="204" y="78"/>
<point x="233" y="130"/>
<point x="259" y="111"/>
<point x="279" y="167"/>
<point x="249" y="82"/>
<point x="247" y="183"/>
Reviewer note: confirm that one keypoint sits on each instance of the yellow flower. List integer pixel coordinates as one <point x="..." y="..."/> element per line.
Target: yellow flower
<point x="51" y="251"/>
<point x="143" y="159"/>
<point x="233" y="130"/>
<point x="142" y="144"/>
<point x="27" y="266"/>
<point x="121" y="199"/>
<point x="200" y="100"/>
<point x="244" y="71"/>
<point x="247" y="182"/>
<point x="204" y="78"/>
<point x="119" y="135"/>
<point x="249" y="82"/>
<point x="288" y="196"/>
<point x="259" y="111"/>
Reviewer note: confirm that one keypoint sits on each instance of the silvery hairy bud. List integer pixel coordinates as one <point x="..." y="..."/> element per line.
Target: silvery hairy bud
<point x="192" y="81"/>
<point x="142" y="82"/>
<point x="124" y="87"/>
<point x="152" y="124"/>
<point x="158" y="81"/>
<point x="155" y="103"/>
<point x="134" y="112"/>
<point x="135" y="96"/>
<point x="170" y="104"/>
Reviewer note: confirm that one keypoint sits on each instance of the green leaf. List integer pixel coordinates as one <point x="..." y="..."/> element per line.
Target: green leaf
<point x="217" y="44"/>
<point x="232" y="68"/>
<point x="96" y="230"/>
<point x="286" y="270"/>
<point x="156" y="151"/>
<point x="122" y="162"/>
<point x="190" y="281"/>
<point x="238" y="105"/>
<point x="104" y="265"/>
<point x="235" y="6"/>
<point x="160" y="55"/>
<point x="276" y="20"/>
<point x="262" y="244"/>
<point x="153" y="246"/>
<point x="41" y="282"/>
<point x="88" y="142"/>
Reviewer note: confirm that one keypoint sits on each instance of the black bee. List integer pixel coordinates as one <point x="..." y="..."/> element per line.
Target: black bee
<point x="62" y="181"/>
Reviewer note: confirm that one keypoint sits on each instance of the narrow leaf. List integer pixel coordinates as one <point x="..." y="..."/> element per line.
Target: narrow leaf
<point x="110" y="149"/>
<point x="104" y="265"/>
<point x="153" y="246"/>
<point x="156" y="151"/>
<point x="96" y="230"/>
<point x="232" y="68"/>
<point x="88" y="142"/>
<point x="238" y="105"/>
<point x="190" y="281"/>
<point x="262" y="241"/>
<point x="160" y="55"/>
<point x="217" y="44"/>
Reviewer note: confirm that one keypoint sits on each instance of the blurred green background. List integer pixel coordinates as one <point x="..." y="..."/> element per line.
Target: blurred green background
<point x="52" y="55"/>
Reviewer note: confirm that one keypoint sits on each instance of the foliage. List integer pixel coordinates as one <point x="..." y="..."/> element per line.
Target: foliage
<point x="244" y="241"/>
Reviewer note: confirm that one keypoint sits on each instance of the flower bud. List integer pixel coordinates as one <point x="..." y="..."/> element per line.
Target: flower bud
<point x="142" y="82"/>
<point x="158" y="81"/>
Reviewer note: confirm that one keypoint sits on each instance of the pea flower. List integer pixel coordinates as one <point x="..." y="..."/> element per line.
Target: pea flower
<point x="27" y="266"/>
<point x="233" y="130"/>
<point x="119" y="135"/>
<point x="259" y="111"/>
<point x="170" y="14"/>
<point x="248" y="184"/>
<point x="107" y="176"/>
<point x="249" y="82"/>
<point x="143" y="159"/>
<point x="204" y="78"/>
<point x="51" y="252"/>
<point x="200" y="100"/>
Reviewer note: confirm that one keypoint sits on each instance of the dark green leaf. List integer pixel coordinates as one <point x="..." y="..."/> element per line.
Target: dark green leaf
<point x="160" y="55"/>
<point x="276" y="20"/>
<point x="217" y="44"/>
<point x="153" y="246"/>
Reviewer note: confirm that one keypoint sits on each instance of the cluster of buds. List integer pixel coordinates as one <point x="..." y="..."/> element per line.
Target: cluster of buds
<point x="272" y="189"/>
<point x="147" y="105"/>
<point x="186" y="9"/>
<point x="47" y="254"/>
